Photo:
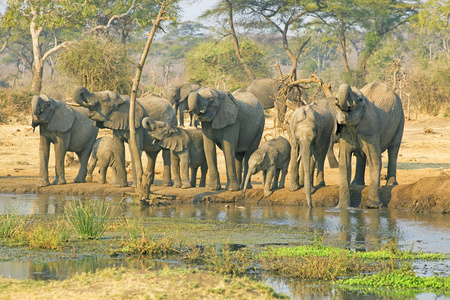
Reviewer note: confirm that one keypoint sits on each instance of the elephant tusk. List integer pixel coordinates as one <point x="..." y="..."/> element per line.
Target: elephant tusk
<point x="73" y="104"/>
<point x="202" y="111"/>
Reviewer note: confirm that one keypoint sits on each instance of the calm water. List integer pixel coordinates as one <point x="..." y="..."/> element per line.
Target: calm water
<point x="354" y="228"/>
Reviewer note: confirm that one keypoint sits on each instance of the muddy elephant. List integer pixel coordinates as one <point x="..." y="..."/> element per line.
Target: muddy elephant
<point x="177" y="96"/>
<point x="370" y="121"/>
<point x="311" y="129"/>
<point x="111" y="110"/>
<point x="68" y="130"/>
<point x="328" y="103"/>
<point x="107" y="152"/>
<point x="271" y="158"/>
<point x="186" y="151"/>
<point x="233" y="122"/>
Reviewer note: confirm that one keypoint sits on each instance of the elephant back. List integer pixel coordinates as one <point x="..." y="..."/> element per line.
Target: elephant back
<point x="265" y="90"/>
<point x="158" y="109"/>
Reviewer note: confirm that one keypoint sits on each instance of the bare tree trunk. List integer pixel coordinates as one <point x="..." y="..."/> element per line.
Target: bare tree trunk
<point x="236" y="42"/>
<point x="142" y="182"/>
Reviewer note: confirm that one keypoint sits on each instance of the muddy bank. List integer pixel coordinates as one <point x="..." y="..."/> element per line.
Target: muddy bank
<point x="431" y="194"/>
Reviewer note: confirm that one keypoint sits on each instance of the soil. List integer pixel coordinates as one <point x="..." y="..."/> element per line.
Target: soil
<point x="423" y="173"/>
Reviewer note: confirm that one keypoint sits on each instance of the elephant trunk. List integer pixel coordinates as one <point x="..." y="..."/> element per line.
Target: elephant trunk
<point x="306" y="156"/>
<point x="250" y="172"/>
<point x="148" y="124"/>
<point x="193" y="99"/>
<point x="343" y="98"/>
<point x="81" y="95"/>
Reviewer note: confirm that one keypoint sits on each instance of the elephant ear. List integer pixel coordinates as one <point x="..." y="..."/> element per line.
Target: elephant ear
<point x="228" y="110"/>
<point x="119" y="117"/>
<point x="185" y="90"/>
<point x="63" y="117"/>
<point x="369" y="123"/>
<point x="177" y="140"/>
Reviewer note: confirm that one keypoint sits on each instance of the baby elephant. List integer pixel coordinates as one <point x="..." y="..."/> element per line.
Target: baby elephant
<point x="271" y="158"/>
<point x="186" y="151"/>
<point x="106" y="153"/>
<point x="311" y="132"/>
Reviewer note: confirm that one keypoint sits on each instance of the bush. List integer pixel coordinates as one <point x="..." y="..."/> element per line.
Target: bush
<point x="14" y="103"/>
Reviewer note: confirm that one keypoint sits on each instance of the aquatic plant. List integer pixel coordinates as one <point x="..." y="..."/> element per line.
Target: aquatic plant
<point x="400" y="283"/>
<point x="48" y="236"/>
<point x="9" y="224"/>
<point x="227" y="261"/>
<point x="152" y="247"/>
<point x="89" y="219"/>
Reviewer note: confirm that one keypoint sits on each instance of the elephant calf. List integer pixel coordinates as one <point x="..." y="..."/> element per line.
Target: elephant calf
<point x="107" y="152"/>
<point x="311" y="132"/>
<point x="68" y="130"/>
<point x="186" y="151"/>
<point x="271" y="158"/>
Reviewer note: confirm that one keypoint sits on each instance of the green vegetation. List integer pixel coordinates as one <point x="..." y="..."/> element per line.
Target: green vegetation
<point x="47" y="236"/>
<point x="10" y="224"/>
<point x="89" y="219"/>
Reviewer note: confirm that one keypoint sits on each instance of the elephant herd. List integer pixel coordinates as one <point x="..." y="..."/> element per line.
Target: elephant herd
<point x="366" y="122"/>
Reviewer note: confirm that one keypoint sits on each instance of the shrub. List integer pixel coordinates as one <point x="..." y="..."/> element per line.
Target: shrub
<point x="89" y="219"/>
<point x="14" y="102"/>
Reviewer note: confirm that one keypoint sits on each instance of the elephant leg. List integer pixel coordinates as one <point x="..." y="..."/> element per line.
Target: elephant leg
<point x="193" y="179"/>
<point x="175" y="161"/>
<point x="151" y="162"/>
<point x="269" y="179"/>
<point x="83" y="157"/>
<point x="166" y="174"/>
<point x="90" y="169"/>
<point x="230" y="162"/>
<point x="181" y="112"/>
<point x="102" y="169"/>
<point x="345" y="170"/>
<point x="44" y="153"/>
<point x="320" y="177"/>
<point x="360" y="168"/>
<point x="392" y="165"/>
<point x="119" y="163"/>
<point x="294" y="184"/>
<point x="204" y="170"/>
<point x="211" y="160"/>
<point x="184" y="169"/>
<point x="373" y="155"/>
<point x="60" y="154"/>
<point x="284" y="171"/>
<point x="275" y="179"/>
<point x="238" y="158"/>
<point x="332" y="161"/>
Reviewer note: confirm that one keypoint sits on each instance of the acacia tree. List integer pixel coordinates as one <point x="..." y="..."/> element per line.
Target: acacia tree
<point x="282" y="15"/>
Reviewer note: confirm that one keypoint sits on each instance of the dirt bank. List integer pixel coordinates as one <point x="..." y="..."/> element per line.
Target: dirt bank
<point x="423" y="173"/>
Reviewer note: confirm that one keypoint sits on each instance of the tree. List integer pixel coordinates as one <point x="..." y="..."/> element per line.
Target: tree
<point x="281" y="16"/>
<point x="44" y="16"/>
<point x="216" y="64"/>
<point x="98" y="64"/>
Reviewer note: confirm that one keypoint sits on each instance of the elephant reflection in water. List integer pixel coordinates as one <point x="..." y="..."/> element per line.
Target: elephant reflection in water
<point x="368" y="228"/>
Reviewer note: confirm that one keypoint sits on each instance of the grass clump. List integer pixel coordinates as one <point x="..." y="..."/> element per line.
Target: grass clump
<point x="403" y="282"/>
<point x="145" y="245"/>
<point x="89" y="219"/>
<point x="47" y="236"/>
<point x="228" y="262"/>
<point x="9" y="224"/>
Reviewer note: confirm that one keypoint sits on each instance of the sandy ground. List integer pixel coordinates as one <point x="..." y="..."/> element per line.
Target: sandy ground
<point x="423" y="172"/>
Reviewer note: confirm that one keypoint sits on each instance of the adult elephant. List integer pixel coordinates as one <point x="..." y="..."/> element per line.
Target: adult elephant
<point x="68" y="130"/>
<point x="177" y="96"/>
<point x="111" y="110"/>
<point x="371" y="120"/>
<point x="235" y="123"/>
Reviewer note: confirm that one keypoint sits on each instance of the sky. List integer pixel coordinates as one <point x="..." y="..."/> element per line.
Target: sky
<point x="194" y="8"/>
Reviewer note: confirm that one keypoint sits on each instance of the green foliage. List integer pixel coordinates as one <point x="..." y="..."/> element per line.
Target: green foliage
<point x="354" y="78"/>
<point x="402" y="279"/>
<point x="89" y="219"/>
<point x="10" y="224"/>
<point x="227" y="261"/>
<point x="104" y="64"/>
<point x="48" y="236"/>
<point x="216" y="64"/>
<point x="148" y="246"/>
